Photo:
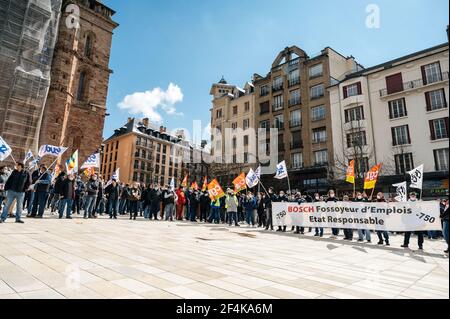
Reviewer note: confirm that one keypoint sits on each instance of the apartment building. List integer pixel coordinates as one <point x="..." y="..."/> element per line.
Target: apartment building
<point x="395" y="113"/>
<point x="293" y="98"/>
<point x="147" y="154"/>
<point x="233" y="148"/>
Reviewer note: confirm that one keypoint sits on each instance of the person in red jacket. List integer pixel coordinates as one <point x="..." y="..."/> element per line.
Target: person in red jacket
<point x="180" y="202"/>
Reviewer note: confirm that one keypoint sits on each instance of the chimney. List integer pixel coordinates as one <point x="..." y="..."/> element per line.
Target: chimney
<point x="145" y="122"/>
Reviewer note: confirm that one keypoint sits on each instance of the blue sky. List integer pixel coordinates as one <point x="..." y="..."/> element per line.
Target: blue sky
<point x="191" y="44"/>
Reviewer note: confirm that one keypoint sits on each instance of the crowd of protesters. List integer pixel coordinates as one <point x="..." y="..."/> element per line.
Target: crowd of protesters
<point x="69" y="195"/>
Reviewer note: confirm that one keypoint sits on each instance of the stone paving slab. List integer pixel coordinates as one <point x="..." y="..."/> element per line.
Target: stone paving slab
<point x="121" y="259"/>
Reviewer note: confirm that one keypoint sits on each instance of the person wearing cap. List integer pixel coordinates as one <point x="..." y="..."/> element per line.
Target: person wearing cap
<point x="231" y="204"/>
<point x="420" y="237"/>
<point x="444" y="217"/>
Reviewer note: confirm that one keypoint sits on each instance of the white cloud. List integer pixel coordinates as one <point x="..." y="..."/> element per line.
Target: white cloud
<point x="149" y="103"/>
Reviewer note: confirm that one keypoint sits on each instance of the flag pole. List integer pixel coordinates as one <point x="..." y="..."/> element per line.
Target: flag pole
<point x="13" y="158"/>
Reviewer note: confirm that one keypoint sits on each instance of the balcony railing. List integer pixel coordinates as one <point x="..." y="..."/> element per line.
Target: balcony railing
<point x="265" y="109"/>
<point x="296" y="145"/>
<point x="278" y="107"/>
<point x="293" y="102"/>
<point x="411" y="85"/>
<point x="293" y="124"/>
<point x="277" y="87"/>
<point x="264" y="93"/>
<point x="294" y="81"/>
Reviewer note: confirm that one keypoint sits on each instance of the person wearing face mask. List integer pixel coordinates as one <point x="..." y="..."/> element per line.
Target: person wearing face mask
<point x="112" y="194"/>
<point x="363" y="232"/>
<point x="332" y="198"/>
<point x="261" y="216"/>
<point x="250" y="205"/>
<point x="348" y="232"/>
<point x="231" y="204"/>
<point x="420" y="237"/>
<point x="194" y="201"/>
<point x="319" y="230"/>
<point x="205" y="204"/>
<point x="444" y="217"/>
<point x="79" y="193"/>
<point x="381" y="234"/>
<point x="271" y="197"/>
<point x="92" y="187"/>
<point x="67" y="195"/>
<point x="281" y="199"/>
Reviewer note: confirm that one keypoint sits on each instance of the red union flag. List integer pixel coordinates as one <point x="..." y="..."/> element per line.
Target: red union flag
<point x="185" y="181"/>
<point x="239" y="183"/>
<point x="215" y="190"/>
<point x="351" y="172"/>
<point x="205" y="184"/>
<point x="372" y="177"/>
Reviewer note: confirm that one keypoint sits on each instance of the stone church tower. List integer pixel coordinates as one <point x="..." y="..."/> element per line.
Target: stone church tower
<point x="75" y="111"/>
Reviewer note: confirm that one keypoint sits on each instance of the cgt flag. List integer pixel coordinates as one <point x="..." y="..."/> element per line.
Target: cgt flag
<point x="215" y="190"/>
<point x="281" y="172"/>
<point x="372" y="177"/>
<point x="194" y="186"/>
<point x="184" y="183"/>
<point x="89" y="171"/>
<point x="5" y="149"/>
<point x="350" y="176"/>
<point x="239" y="183"/>
<point x="205" y="184"/>
<point x="416" y="177"/>
<point x="402" y="193"/>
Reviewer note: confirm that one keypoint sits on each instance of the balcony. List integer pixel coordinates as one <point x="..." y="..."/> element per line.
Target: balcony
<point x="264" y="109"/>
<point x="293" y="102"/>
<point x="277" y="87"/>
<point x="294" y="124"/>
<point x="318" y="96"/>
<point x="294" y="81"/>
<point x="264" y="93"/>
<point x="416" y="84"/>
<point x="278" y="107"/>
<point x="296" y="145"/>
<point x="279" y="126"/>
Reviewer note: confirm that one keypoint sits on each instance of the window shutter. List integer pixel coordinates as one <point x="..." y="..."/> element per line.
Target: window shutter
<point x="394" y="140"/>
<point x="394" y="83"/>
<point x="362" y="113"/>
<point x="359" y="88"/>
<point x="345" y="92"/>
<point x="446" y="126"/>
<point x="443" y="96"/>
<point x="424" y="75"/>
<point x="428" y="100"/>
<point x="409" y="136"/>
<point x="404" y="106"/>
<point x="391" y="116"/>
<point x="433" y="133"/>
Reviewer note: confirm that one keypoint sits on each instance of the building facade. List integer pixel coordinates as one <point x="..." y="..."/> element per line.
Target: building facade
<point x="147" y="154"/>
<point x="396" y="113"/>
<point x="293" y="98"/>
<point x="233" y="148"/>
<point x="75" y="110"/>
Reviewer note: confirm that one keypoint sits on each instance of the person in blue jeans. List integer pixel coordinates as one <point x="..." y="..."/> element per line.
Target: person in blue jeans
<point x="250" y="206"/>
<point x="16" y="185"/>
<point x="112" y="193"/>
<point x="42" y="180"/>
<point x="444" y="217"/>
<point x="67" y="196"/>
<point x="232" y="203"/>
<point x="214" y="217"/>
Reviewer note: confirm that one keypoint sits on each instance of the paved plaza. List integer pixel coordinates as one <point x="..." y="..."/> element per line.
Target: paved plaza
<point x="104" y="258"/>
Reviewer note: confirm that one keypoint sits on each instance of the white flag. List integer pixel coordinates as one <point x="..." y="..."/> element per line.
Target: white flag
<point x="51" y="150"/>
<point x="92" y="161"/>
<point x="29" y="155"/>
<point x="115" y="177"/>
<point x="172" y="184"/>
<point x="251" y="179"/>
<point x="402" y="193"/>
<point x="258" y="172"/>
<point x="281" y="170"/>
<point x="416" y="177"/>
<point x="5" y="150"/>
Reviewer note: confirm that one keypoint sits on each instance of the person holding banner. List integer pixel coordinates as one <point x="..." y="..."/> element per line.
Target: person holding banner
<point x="332" y="198"/>
<point x="319" y="230"/>
<point x="231" y="204"/>
<point x="363" y="232"/>
<point x="348" y="232"/>
<point x="41" y="185"/>
<point x="381" y="234"/>
<point x="420" y="237"/>
<point x="281" y="199"/>
<point x="16" y="185"/>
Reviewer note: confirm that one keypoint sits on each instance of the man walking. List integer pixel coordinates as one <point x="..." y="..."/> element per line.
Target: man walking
<point x="15" y="187"/>
<point x="67" y="195"/>
<point x="112" y="195"/>
<point x="42" y="180"/>
<point x="92" y="187"/>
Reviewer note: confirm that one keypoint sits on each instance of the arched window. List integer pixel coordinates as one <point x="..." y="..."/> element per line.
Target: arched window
<point x="81" y="86"/>
<point x="88" y="46"/>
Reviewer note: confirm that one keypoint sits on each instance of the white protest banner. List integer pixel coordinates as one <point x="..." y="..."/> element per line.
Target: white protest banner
<point x="402" y="193"/>
<point x="92" y="161"/>
<point x="51" y="150"/>
<point x="416" y="177"/>
<point x="281" y="172"/>
<point x="251" y="179"/>
<point x="5" y="149"/>
<point x="410" y="216"/>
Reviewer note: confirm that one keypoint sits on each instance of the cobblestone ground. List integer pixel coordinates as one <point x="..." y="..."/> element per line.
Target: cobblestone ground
<point x="103" y="258"/>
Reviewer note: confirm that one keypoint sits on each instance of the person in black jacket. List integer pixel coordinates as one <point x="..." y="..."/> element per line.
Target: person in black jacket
<point x="112" y="194"/>
<point x="332" y="198"/>
<point x="205" y="206"/>
<point x="281" y="199"/>
<point x="268" y="207"/>
<point x="57" y="191"/>
<point x="16" y="185"/>
<point x="381" y="234"/>
<point x="67" y="195"/>
<point x="41" y="181"/>
<point x="444" y="217"/>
